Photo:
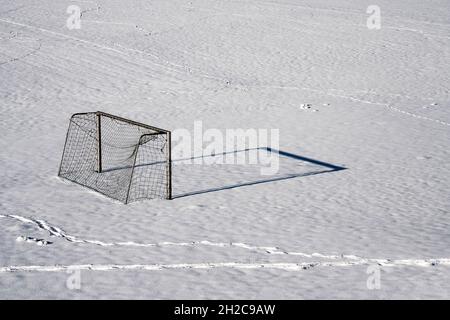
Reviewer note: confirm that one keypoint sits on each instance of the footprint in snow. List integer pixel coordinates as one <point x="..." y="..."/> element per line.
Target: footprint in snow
<point x="39" y="242"/>
<point x="307" y="106"/>
<point x="195" y="206"/>
<point x="423" y="157"/>
<point x="434" y="104"/>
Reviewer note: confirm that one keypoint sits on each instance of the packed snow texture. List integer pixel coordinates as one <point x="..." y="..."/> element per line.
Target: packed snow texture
<point x="375" y="102"/>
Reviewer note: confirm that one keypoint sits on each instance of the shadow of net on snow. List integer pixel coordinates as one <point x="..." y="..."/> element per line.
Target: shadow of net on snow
<point x="241" y="168"/>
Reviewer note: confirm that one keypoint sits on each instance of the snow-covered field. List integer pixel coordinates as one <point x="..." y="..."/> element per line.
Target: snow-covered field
<point x="376" y="102"/>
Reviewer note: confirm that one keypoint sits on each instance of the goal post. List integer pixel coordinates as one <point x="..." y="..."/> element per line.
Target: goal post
<point x="120" y="158"/>
<point x="99" y="143"/>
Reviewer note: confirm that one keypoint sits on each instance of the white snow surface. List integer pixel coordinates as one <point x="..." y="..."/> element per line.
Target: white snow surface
<point x="376" y="102"/>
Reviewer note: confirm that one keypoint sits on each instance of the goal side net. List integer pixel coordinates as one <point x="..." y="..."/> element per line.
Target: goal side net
<point x="120" y="158"/>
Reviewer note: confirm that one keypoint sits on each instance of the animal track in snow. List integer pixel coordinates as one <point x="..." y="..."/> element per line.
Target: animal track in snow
<point x="97" y="7"/>
<point x="135" y="26"/>
<point x="431" y="105"/>
<point x="286" y="266"/>
<point x="58" y="232"/>
<point x="387" y="105"/>
<point x="307" y="106"/>
<point x="37" y="44"/>
<point x="337" y="260"/>
<point x="39" y="242"/>
<point x="166" y="64"/>
<point x="344" y="96"/>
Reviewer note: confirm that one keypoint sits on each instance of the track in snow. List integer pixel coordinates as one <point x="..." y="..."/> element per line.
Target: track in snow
<point x="337" y="260"/>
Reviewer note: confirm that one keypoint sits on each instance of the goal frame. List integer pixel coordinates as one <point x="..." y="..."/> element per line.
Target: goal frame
<point x="157" y="131"/>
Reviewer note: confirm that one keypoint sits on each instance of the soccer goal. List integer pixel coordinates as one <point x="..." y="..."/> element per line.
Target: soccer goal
<point x="120" y="158"/>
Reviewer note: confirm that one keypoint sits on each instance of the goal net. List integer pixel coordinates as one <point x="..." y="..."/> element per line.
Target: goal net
<point x="120" y="158"/>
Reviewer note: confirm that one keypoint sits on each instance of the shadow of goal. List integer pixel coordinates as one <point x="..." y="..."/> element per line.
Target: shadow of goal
<point x="106" y="153"/>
